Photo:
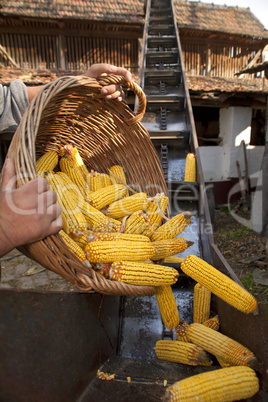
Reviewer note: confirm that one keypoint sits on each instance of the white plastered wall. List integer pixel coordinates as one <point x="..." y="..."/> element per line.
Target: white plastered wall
<point x="219" y="162"/>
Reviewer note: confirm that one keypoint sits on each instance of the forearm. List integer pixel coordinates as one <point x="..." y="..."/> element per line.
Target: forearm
<point x="33" y="90"/>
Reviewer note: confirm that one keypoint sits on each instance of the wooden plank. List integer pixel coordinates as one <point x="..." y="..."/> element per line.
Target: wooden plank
<point x="242" y="185"/>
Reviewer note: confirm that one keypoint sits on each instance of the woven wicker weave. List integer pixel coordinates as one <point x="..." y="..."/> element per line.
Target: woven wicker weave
<point x="71" y="110"/>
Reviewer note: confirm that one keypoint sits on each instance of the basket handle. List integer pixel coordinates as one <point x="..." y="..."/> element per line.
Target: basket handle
<point x="120" y="80"/>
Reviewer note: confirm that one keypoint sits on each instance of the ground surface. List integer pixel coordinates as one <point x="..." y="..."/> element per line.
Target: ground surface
<point x="244" y="250"/>
<point x="20" y="273"/>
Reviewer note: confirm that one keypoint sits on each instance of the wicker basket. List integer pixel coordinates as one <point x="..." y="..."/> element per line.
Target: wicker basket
<point x="106" y="132"/>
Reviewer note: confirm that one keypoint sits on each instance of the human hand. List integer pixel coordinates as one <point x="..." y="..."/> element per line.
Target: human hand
<point x="28" y="213"/>
<point x="110" y="91"/>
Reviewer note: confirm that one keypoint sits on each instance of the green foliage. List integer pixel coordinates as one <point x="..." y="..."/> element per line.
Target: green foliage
<point x="248" y="281"/>
<point x="243" y="231"/>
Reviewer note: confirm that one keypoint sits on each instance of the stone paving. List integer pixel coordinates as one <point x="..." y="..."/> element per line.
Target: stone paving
<point x="21" y="273"/>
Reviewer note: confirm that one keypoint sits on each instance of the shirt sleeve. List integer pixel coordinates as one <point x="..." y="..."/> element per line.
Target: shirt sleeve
<point x="13" y="103"/>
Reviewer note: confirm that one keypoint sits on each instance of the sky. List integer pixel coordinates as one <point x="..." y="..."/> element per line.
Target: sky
<point x="257" y="7"/>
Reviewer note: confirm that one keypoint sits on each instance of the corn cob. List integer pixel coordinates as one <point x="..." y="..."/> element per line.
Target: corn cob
<point x="182" y="352"/>
<point x="117" y="175"/>
<point x="222" y="362"/>
<point x="190" y="168"/>
<point x="181" y="331"/>
<point x="148" y="230"/>
<point x="100" y="199"/>
<point x="114" y="250"/>
<point x="116" y="224"/>
<point x="156" y="208"/>
<point x="202" y="298"/>
<point x="105" y="180"/>
<point x="69" y="188"/>
<point x="173" y="260"/>
<point x="97" y="221"/>
<point x="126" y="206"/>
<point x="143" y="274"/>
<point x="71" y="153"/>
<point x="220" y="345"/>
<point x="46" y="163"/>
<point x="227" y="384"/>
<point x="172" y="227"/>
<point x="218" y="283"/>
<point x="167" y="247"/>
<point x="69" y="165"/>
<point x="90" y="235"/>
<point x="212" y="323"/>
<point x="167" y="306"/>
<point x="73" y="247"/>
<point x="94" y="181"/>
<point x="94" y="236"/>
<point x="136" y="223"/>
<point x="82" y="240"/>
<point x="74" y="222"/>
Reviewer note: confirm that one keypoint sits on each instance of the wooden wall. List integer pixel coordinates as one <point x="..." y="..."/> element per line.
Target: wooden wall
<point x="69" y="46"/>
<point x="218" y="54"/>
<point x="216" y="60"/>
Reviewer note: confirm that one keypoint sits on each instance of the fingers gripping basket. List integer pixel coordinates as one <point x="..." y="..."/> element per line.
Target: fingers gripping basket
<point x="71" y="110"/>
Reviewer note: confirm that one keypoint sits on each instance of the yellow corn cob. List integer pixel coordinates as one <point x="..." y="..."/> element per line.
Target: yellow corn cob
<point x="47" y="163"/>
<point x="222" y="362"/>
<point x="73" y="246"/>
<point x="117" y="175"/>
<point x="68" y="165"/>
<point x="143" y="274"/>
<point x="220" y="345"/>
<point x="126" y="206"/>
<point x="156" y="208"/>
<point x="94" y="181"/>
<point x="167" y="306"/>
<point x="148" y="229"/>
<point x="226" y="384"/>
<point x="69" y="188"/>
<point x="82" y="240"/>
<point x="212" y="323"/>
<point x="173" y="260"/>
<point x="172" y="227"/>
<point x="105" y="180"/>
<point x="97" y="221"/>
<point x="116" y="224"/>
<point x="219" y="284"/>
<point x="181" y="331"/>
<point x="190" y="168"/>
<point x="136" y="223"/>
<point x="74" y="222"/>
<point x="114" y="250"/>
<point x="182" y="352"/>
<point x="71" y="153"/>
<point x="102" y="198"/>
<point x="202" y="298"/>
<point x="167" y="247"/>
<point x="94" y="236"/>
